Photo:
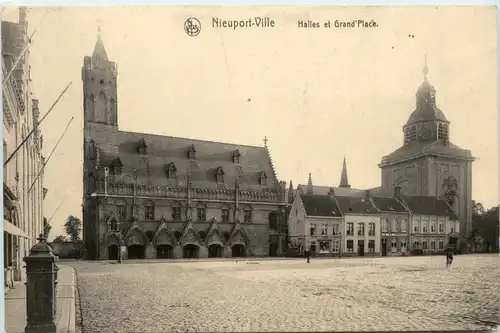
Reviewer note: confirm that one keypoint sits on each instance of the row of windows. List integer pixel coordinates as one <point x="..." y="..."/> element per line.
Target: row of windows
<point x="201" y="214"/>
<point x="361" y="244"/>
<point x="424" y="245"/>
<point x="395" y="225"/>
<point x="410" y="132"/>
<point x="425" y="228"/>
<point x="360" y="229"/>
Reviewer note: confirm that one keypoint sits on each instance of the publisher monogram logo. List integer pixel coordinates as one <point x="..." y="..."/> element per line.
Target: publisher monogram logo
<point x="192" y="27"/>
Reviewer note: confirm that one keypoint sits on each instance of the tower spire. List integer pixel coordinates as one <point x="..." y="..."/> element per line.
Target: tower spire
<point x="310" y="185"/>
<point x="426" y="69"/>
<point x="344" y="182"/>
<point x="99" y="50"/>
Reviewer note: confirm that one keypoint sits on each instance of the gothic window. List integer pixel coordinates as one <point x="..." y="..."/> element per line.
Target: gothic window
<point x="149" y="211"/>
<point x="176" y="212"/>
<point x="101" y="108"/>
<point x="112" y="112"/>
<point x="113" y="225"/>
<point x="91" y="107"/>
<point x="121" y="211"/>
<point x="236" y="156"/>
<point x="143" y="147"/>
<point x="443" y="132"/>
<point x="91" y="153"/>
<point x="201" y="213"/>
<point x="273" y="220"/>
<point x="247" y="215"/>
<point x="225" y="215"/>
<point x="219" y="175"/>
<point x="116" y="167"/>
<point x="171" y="170"/>
<point x="191" y="152"/>
<point x="263" y="179"/>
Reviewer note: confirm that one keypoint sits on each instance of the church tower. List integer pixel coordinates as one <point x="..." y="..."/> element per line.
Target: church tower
<point x="428" y="164"/>
<point x="344" y="182"/>
<point x="99" y="76"/>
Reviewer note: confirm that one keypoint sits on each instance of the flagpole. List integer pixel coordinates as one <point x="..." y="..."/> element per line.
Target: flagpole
<point x="34" y="128"/>
<point x="52" y="152"/>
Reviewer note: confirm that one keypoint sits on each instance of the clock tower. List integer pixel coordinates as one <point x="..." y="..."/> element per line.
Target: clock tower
<point x="428" y="164"/>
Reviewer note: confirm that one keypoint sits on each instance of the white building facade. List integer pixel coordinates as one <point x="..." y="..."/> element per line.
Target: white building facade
<point x="23" y="209"/>
<point x="315" y="224"/>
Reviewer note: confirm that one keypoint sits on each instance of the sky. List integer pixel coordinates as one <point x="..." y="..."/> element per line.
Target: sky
<point x="317" y="94"/>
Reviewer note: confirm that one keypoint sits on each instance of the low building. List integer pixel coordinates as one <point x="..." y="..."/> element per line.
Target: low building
<point x="434" y="225"/>
<point x="394" y="218"/>
<point x="314" y="224"/>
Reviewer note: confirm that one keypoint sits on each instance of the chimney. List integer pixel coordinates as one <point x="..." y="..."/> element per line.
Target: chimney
<point x="397" y="191"/>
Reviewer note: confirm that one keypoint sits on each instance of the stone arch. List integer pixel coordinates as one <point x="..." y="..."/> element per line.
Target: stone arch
<point x="164" y="236"/>
<point x="112" y="239"/>
<point x="101" y="107"/>
<point x="215" y="236"/>
<point x="136" y="236"/>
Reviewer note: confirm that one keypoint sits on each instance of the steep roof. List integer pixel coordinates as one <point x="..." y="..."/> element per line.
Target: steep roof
<point x="324" y="190"/>
<point x="427" y="205"/>
<point x="355" y="205"/>
<point x="388" y="205"/>
<point x="320" y="205"/>
<point x="210" y="156"/>
<point x="416" y="148"/>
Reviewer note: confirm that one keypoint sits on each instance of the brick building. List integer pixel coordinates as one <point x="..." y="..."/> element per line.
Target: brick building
<point x="154" y="196"/>
<point x="22" y="207"/>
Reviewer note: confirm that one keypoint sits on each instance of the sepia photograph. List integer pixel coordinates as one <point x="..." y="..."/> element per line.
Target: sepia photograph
<point x="250" y="168"/>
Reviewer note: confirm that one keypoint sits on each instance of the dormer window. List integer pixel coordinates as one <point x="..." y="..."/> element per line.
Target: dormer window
<point x="263" y="179"/>
<point x="443" y="132"/>
<point x="236" y="156"/>
<point x="116" y="167"/>
<point x="219" y="175"/>
<point x="191" y="152"/>
<point x="171" y="171"/>
<point x="143" y="147"/>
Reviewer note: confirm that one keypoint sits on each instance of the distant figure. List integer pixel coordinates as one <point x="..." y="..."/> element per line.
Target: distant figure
<point x="449" y="258"/>
<point x="308" y="255"/>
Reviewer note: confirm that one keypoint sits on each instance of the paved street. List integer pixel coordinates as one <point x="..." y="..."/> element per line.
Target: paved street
<point x="415" y="293"/>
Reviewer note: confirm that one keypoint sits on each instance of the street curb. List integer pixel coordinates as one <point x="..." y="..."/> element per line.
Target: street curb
<point x="78" y="306"/>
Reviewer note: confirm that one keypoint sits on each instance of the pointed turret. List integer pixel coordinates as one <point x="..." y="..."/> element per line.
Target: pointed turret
<point x="310" y="185"/>
<point x="291" y="193"/>
<point x="99" y="50"/>
<point x="344" y="182"/>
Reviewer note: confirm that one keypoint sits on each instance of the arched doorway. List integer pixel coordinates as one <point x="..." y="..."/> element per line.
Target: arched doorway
<point x="215" y="251"/>
<point x="164" y="251"/>
<point x="238" y="250"/>
<point x="113" y="252"/>
<point x="191" y="251"/>
<point x="136" y="251"/>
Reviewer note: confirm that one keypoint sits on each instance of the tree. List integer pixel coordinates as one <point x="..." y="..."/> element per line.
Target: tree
<point x="59" y="239"/>
<point x="46" y="228"/>
<point x="73" y="227"/>
<point x="485" y="226"/>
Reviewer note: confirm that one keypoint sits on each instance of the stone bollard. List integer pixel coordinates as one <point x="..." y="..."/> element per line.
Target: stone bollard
<point x="40" y="288"/>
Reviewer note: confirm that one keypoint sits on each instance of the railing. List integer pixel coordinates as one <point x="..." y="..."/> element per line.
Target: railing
<point x="181" y="192"/>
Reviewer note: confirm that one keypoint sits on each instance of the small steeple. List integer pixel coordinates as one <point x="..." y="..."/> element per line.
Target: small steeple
<point x="99" y="50"/>
<point x="426" y="69"/>
<point x="310" y="185"/>
<point x="291" y="193"/>
<point x="344" y="182"/>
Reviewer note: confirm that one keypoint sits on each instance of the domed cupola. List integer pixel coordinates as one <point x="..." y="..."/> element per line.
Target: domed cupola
<point x="427" y="122"/>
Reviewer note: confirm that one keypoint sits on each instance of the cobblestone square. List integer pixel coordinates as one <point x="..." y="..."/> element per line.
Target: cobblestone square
<point x="416" y="293"/>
